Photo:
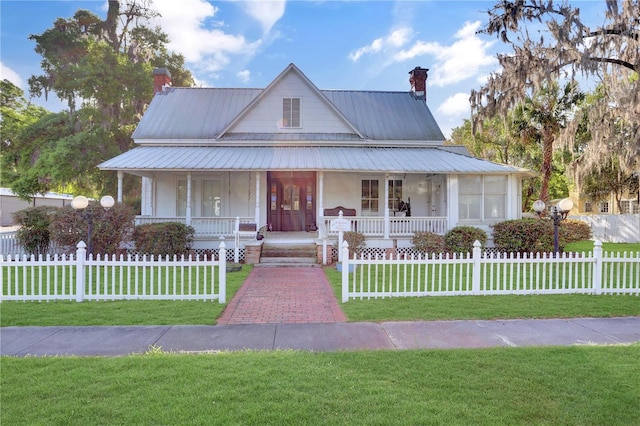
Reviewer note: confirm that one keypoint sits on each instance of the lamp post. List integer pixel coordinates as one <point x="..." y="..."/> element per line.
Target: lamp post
<point x="80" y="203"/>
<point x="558" y="214"/>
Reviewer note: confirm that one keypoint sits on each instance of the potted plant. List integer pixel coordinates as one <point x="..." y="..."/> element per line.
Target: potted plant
<point x="357" y="242"/>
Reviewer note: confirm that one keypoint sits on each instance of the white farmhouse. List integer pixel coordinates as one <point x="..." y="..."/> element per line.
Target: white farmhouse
<point x="289" y="156"/>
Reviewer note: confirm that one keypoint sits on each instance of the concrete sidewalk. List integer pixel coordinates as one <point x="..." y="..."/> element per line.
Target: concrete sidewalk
<point x="126" y="340"/>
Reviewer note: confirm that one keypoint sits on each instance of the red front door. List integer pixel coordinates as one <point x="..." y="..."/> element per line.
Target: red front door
<point x="291" y="200"/>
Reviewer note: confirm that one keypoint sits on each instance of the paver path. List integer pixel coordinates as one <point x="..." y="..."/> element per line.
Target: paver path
<point x="283" y="295"/>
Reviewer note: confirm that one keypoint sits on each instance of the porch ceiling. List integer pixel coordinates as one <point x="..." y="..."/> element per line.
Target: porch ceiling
<point x="329" y="158"/>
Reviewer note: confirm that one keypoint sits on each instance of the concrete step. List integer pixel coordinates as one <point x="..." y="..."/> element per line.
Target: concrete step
<point x="287" y="265"/>
<point x="288" y="260"/>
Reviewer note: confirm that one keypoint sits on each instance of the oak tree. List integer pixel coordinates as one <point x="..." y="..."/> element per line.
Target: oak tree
<point x="551" y="41"/>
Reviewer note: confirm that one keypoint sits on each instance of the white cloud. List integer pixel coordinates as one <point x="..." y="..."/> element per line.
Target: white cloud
<point x="267" y="13"/>
<point x="456" y="105"/>
<point x="244" y="76"/>
<point x="397" y="38"/>
<point x="209" y="49"/>
<point x="465" y="58"/>
<point x="461" y="60"/>
<point x="9" y="74"/>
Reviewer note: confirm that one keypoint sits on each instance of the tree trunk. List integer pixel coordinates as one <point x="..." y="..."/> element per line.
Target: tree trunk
<point x="547" y="158"/>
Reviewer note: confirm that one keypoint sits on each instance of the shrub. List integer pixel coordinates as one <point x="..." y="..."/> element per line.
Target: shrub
<point x="33" y="233"/>
<point x="574" y="230"/>
<point x="428" y="242"/>
<point x="461" y="238"/>
<point x="109" y="227"/>
<point x="356" y="241"/>
<point x="162" y="239"/>
<point x="524" y="236"/>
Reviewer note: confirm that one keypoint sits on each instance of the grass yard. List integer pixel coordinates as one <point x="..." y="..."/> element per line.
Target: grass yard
<point x="493" y="307"/>
<point x="484" y="307"/>
<point x="587" y="246"/>
<point x="132" y="312"/>
<point x="556" y="385"/>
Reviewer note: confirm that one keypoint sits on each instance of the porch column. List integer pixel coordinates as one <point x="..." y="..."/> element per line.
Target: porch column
<point x="453" y="189"/>
<point x="188" y="212"/>
<point x="320" y="195"/>
<point x="257" y="213"/>
<point x="386" y="206"/>
<point x="120" y="178"/>
<point x="148" y="191"/>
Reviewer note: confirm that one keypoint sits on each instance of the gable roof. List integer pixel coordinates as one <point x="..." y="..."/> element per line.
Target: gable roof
<point x="291" y="69"/>
<point x="208" y="115"/>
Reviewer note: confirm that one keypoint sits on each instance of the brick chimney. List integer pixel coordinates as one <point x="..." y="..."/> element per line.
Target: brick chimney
<point x="161" y="79"/>
<point x="418" y="80"/>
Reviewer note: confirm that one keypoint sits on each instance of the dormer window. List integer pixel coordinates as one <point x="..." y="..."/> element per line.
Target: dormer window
<point x="291" y="112"/>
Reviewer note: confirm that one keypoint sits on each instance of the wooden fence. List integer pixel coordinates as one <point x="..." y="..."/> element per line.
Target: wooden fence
<point x="78" y="277"/>
<point x="481" y="273"/>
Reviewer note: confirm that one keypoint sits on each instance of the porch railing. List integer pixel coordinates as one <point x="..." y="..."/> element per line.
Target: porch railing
<point x="398" y="226"/>
<point x="214" y="227"/>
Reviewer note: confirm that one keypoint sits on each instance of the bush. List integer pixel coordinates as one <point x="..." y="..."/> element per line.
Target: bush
<point x="162" y="239"/>
<point x="428" y="242"/>
<point x="574" y="230"/>
<point x="524" y="236"/>
<point x="34" y="233"/>
<point x="109" y="227"/>
<point x="461" y="238"/>
<point x="356" y="241"/>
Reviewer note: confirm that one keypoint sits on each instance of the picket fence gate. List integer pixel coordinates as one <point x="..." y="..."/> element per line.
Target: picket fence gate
<point x="82" y="278"/>
<point x="486" y="273"/>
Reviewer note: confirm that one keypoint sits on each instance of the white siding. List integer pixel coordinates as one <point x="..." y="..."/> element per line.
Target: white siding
<point x="316" y="116"/>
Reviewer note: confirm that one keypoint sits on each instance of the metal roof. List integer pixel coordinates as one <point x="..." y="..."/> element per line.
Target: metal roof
<point x="203" y="113"/>
<point x="327" y="158"/>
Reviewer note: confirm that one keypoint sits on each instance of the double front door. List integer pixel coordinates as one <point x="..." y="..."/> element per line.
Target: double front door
<point x="292" y="201"/>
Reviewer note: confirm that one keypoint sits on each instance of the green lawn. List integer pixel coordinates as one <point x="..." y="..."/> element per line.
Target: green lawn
<point x="576" y="385"/>
<point x="484" y="307"/>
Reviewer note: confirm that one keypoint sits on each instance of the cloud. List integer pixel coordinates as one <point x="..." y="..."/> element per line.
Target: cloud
<point x="459" y="61"/>
<point x="465" y="58"/>
<point x="9" y="74"/>
<point x="394" y="40"/>
<point x="455" y="105"/>
<point x="209" y="49"/>
<point x="244" y="76"/>
<point x="267" y="13"/>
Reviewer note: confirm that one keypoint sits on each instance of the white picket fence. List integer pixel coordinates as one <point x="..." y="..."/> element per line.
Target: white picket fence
<point x="490" y="274"/>
<point x="79" y="278"/>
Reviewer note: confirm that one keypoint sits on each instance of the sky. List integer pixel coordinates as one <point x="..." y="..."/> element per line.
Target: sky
<point x="349" y="45"/>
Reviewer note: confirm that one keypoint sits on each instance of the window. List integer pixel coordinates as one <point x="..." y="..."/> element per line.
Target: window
<point x="482" y="198"/>
<point x="211" y="198"/>
<point x="629" y="206"/>
<point x="291" y="112"/>
<point x="395" y="194"/>
<point x="181" y="197"/>
<point x="587" y="207"/>
<point x="604" y="207"/>
<point x="370" y="196"/>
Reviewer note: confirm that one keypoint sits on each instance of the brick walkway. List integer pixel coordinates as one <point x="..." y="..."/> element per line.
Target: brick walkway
<point x="283" y="295"/>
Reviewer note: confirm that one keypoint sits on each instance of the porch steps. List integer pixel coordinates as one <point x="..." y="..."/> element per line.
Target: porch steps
<point x="288" y="254"/>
